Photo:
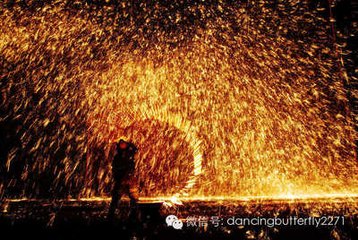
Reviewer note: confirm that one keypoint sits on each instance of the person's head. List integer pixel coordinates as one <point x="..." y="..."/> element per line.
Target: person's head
<point x="122" y="144"/>
<point x="126" y="146"/>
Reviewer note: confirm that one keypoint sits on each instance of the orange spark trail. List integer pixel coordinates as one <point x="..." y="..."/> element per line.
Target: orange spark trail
<point x="221" y="99"/>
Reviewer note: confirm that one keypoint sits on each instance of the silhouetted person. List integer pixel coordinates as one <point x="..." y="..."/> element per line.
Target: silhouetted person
<point x="123" y="167"/>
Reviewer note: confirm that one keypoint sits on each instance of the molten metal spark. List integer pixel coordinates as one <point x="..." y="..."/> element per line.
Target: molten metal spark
<point x="232" y="100"/>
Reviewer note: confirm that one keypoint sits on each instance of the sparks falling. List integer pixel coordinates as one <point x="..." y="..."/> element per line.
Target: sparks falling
<point x="222" y="99"/>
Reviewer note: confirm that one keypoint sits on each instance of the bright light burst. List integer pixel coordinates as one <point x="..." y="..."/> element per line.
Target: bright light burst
<point x="222" y="99"/>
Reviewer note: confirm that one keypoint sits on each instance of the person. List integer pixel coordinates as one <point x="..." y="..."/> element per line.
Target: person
<point x="123" y="168"/>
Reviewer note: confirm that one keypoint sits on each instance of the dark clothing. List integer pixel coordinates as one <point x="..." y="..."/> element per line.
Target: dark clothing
<point x="123" y="167"/>
<point x="123" y="162"/>
<point x="119" y="189"/>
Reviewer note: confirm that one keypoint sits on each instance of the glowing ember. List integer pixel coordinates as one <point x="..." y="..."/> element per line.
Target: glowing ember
<point x="222" y="100"/>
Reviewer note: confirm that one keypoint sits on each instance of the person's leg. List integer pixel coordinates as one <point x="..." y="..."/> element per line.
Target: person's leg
<point x="116" y="194"/>
<point x="133" y="190"/>
<point x="134" y="214"/>
<point x="133" y="195"/>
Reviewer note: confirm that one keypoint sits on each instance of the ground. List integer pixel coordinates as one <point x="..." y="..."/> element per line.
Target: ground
<point x="86" y="219"/>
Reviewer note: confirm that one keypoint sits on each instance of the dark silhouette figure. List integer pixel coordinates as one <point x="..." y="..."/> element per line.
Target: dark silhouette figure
<point x="123" y="167"/>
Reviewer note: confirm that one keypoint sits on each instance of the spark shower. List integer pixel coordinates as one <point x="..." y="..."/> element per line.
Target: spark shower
<point x="223" y="100"/>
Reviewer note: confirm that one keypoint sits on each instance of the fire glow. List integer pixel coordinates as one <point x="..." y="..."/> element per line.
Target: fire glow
<point x="247" y="101"/>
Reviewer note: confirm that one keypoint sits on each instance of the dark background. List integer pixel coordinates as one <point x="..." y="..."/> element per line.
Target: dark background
<point x="343" y="30"/>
